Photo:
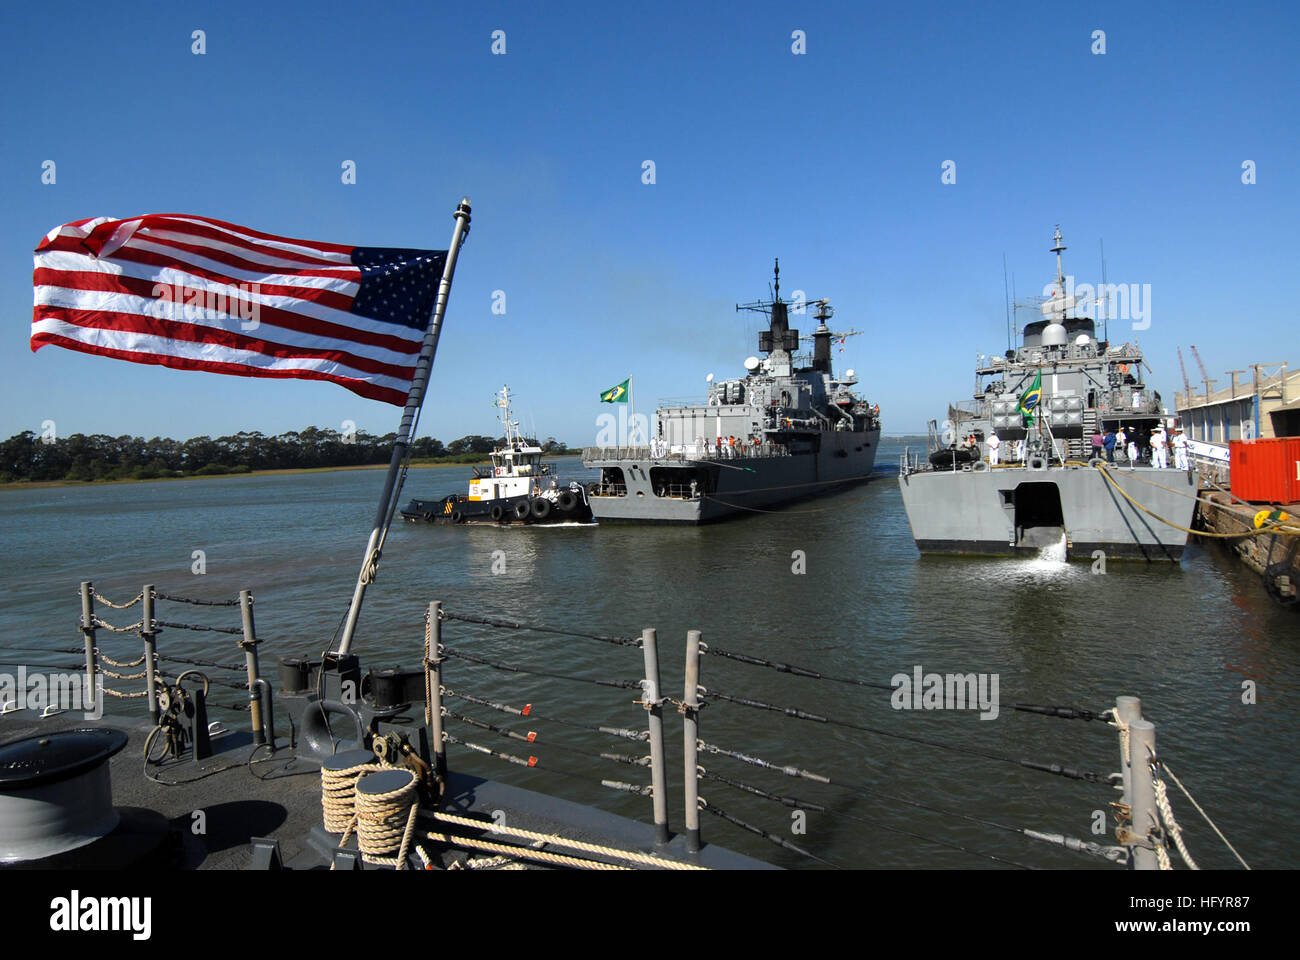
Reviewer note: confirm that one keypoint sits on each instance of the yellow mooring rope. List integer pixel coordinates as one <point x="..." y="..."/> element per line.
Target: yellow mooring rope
<point x="1284" y="528"/>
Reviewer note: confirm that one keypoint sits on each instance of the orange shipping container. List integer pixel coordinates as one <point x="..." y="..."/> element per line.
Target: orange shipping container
<point x="1266" y="470"/>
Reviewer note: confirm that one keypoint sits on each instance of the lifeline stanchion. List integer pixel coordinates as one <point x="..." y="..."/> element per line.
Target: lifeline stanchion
<point x="1127" y="709"/>
<point x="433" y="687"/>
<point x="690" y="740"/>
<point x="654" y="707"/>
<point x="1146" y="820"/>
<point x="147" y="633"/>
<point x="249" y="643"/>
<point x="88" y="634"/>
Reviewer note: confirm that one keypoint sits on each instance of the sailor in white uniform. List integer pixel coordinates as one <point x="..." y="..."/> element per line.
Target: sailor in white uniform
<point x="1179" y="443"/>
<point x="1121" y="441"/>
<point x="993" y="444"/>
<point x="1159" y="452"/>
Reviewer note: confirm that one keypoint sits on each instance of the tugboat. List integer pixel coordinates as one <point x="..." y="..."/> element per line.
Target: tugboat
<point x="517" y="488"/>
<point x="778" y="435"/>
<point x="1012" y="471"/>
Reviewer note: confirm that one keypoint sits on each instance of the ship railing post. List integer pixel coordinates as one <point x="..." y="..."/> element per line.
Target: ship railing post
<point x="147" y="633"/>
<point x="1127" y="709"/>
<point x="654" y="707"/>
<point x="690" y="740"/>
<point x="1146" y="822"/>
<point x="88" y="634"/>
<point x="433" y="671"/>
<point x="249" y="643"/>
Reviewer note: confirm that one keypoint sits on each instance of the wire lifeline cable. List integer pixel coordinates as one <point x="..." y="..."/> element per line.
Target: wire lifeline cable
<point x="1069" y="773"/>
<point x="515" y="735"/>
<point x="870" y="793"/>
<point x="779" y="841"/>
<point x="514" y="625"/>
<point x="794" y="802"/>
<point x="620" y="684"/>
<point x="528" y="713"/>
<point x="1068" y="713"/>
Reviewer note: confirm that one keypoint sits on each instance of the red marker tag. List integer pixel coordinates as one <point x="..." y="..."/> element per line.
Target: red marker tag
<point x="532" y="735"/>
<point x="528" y="708"/>
<point x="532" y="761"/>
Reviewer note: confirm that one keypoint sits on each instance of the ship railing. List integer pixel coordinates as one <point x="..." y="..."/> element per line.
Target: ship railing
<point x="687" y="453"/>
<point x="158" y="671"/>
<point x="610" y="490"/>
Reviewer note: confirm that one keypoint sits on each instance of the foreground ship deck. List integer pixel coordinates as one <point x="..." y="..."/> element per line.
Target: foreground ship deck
<point x="279" y="799"/>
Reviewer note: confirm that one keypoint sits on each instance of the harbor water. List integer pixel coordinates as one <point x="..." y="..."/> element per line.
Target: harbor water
<point x="833" y="585"/>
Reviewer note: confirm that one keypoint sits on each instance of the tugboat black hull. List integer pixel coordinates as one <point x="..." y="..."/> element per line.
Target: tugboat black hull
<point x="568" y="507"/>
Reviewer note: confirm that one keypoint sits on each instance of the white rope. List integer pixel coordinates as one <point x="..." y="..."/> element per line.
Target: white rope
<point x="1167" y="815"/>
<point x="118" y="606"/>
<point x="1192" y="799"/>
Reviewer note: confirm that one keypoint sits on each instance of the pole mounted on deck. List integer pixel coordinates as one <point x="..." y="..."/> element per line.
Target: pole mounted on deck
<point x="401" y="446"/>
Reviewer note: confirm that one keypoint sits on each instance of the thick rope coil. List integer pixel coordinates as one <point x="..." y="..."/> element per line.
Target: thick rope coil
<point x="385" y="821"/>
<point x="118" y="606"/>
<point x="338" y="789"/>
<point x="1167" y="815"/>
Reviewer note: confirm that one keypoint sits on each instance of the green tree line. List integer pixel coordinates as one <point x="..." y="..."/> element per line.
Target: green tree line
<point x="27" y="456"/>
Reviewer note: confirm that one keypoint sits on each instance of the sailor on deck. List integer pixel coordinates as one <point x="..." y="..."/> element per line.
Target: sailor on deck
<point x="1132" y="452"/>
<point x="993" y="444"/>
<point x="1179" y="443"/>
<point x="1159" y="452"/>
<point x="1121" y="441"/>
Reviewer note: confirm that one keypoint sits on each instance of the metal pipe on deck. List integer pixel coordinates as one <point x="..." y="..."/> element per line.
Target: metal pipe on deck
<point x="147" y="632"/>
<point x="260" y="694"/>
<point x="654" y="707"/>
<point x="249" y="643"/>
<point x="690" y="740"/>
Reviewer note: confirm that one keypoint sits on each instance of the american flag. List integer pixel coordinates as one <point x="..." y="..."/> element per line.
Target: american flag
<point x="200" y="294"/>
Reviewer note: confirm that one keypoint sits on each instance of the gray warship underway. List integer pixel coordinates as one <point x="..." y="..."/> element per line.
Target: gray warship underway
<point x="779" y="434"/>
<point x="1012" y="470"/>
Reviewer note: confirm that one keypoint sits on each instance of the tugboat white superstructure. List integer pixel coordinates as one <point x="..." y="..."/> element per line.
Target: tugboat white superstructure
<point x="518" y="488"/>
<point x="779" y="434"/>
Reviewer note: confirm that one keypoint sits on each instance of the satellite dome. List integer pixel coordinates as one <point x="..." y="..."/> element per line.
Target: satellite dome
<point x="1054" y="335"/>
<point x="1082" y="340"/>
<point x="751" y="363"/>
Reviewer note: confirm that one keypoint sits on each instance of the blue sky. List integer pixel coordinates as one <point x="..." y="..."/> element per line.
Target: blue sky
<point x="830" y="160"/>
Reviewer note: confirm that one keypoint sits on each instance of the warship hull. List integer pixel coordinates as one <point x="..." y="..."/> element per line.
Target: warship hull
<point x="1018" y="510"/>
<point x="639" y="488"/>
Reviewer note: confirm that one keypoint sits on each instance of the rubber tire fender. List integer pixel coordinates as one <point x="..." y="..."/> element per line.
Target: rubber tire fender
<point x="540" y="508"/>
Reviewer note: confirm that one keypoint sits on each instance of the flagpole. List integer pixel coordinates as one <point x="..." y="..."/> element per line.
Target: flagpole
<point x="631" y="402"/>
<point x="414" y="400"/>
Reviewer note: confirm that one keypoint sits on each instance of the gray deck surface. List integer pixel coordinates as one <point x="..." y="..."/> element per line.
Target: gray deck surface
<point x="280" y="798"/>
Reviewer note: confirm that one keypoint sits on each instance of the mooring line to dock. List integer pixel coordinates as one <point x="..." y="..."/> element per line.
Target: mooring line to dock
<point x="620" y="684"/>
<point x="514" y="625"/>
<point x="1055" y="769"/>
<point x="796" y="803"/>
<point x="637" y="735"/>
<point x="1277" y="527"/>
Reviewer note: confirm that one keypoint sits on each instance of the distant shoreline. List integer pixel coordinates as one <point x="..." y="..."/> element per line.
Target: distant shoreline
<point x="40" y="484"/>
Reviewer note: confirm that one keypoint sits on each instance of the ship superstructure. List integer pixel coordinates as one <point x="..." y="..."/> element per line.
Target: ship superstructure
<point x="1014" y="469"/>
<point x="780" y="433"/>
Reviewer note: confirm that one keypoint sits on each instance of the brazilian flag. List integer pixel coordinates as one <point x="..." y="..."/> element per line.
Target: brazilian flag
<point x="1030" y="399"/>
<point x="616" y="394"/>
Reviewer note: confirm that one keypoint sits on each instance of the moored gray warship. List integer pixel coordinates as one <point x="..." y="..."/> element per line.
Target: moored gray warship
<point x="779" y="434"/>
<point x="1013" y="469"/>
